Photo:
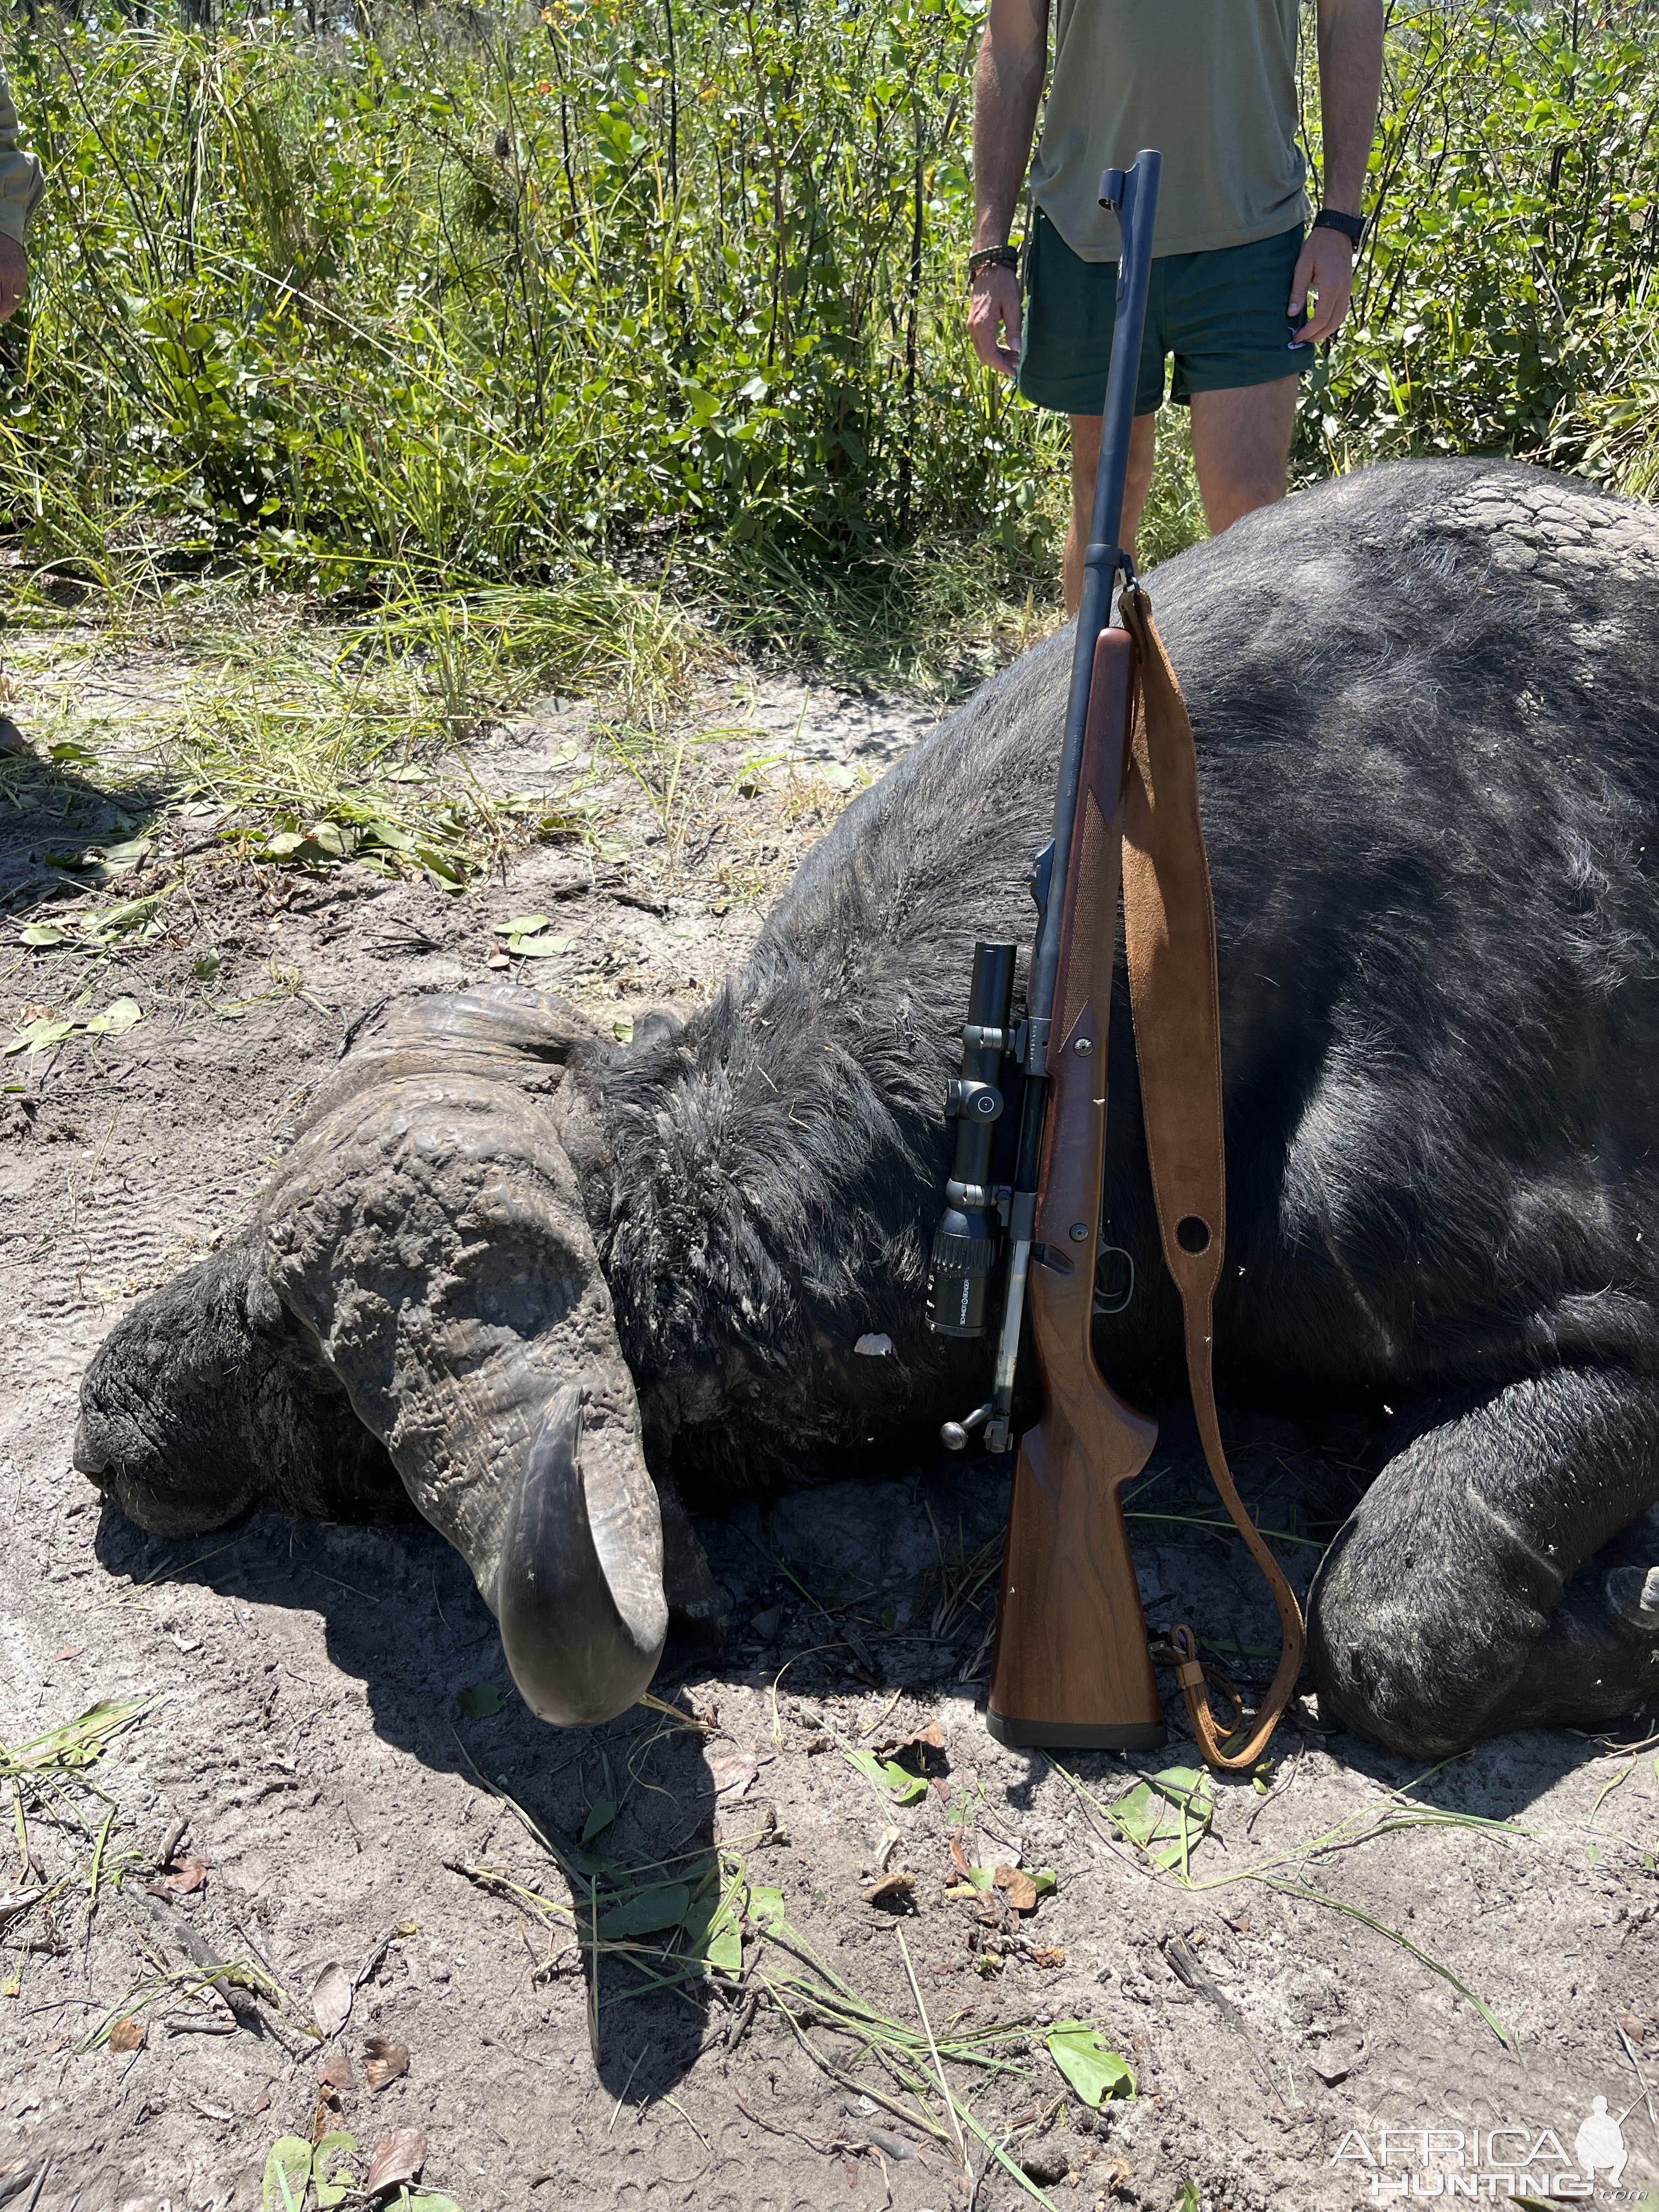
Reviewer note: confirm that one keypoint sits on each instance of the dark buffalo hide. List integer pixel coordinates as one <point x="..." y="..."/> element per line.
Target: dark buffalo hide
<point x="1426" y="703"/>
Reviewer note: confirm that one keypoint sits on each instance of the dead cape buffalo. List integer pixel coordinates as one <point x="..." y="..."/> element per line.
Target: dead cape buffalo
<point x="536" y="1276"/>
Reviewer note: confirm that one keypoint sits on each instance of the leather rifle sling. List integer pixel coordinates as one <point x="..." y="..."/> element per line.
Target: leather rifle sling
<point x="1169" y="918"/>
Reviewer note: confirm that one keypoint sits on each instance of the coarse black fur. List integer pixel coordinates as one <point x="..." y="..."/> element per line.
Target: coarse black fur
<point x="1423" y="702"/>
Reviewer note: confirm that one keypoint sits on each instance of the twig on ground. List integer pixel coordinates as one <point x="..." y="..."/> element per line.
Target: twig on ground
<point x="689" y="2122"/>
<point x="372" y="1964"/>
<point x="938" y="2064"/>
<point x="834" y="2148"/>
<point x="743" y="2020"/>
<point x="627" y="2086"/>
<point x="1635" y="2068"/>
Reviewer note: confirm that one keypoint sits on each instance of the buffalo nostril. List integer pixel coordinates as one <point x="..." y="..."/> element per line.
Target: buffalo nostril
<point x="86" y="1458"/>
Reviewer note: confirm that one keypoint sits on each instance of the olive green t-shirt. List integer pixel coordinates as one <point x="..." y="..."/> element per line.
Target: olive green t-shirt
<point x="1209" y="83"/>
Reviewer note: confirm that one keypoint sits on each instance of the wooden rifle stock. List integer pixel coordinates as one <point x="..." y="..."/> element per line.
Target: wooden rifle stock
<point x="1071" y="1667"/>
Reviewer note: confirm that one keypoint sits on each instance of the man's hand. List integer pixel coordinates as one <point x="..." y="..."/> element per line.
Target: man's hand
<point x="14" y="276"/>
<point x="1325" y="268"/>
<point x="995" y="318"/>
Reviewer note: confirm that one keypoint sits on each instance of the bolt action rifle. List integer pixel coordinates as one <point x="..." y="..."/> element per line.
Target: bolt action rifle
<point x="1072" y="1668"/>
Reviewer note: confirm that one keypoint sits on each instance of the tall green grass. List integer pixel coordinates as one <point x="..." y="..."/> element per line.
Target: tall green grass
<point x="670" y="292"/>
<point x="670" y="287"/>
<point x="1505" y="300"/>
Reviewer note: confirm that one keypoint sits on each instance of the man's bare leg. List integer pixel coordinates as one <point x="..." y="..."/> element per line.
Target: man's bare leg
<point x="1086" y="458"/>
<point x="1241" y="447"/>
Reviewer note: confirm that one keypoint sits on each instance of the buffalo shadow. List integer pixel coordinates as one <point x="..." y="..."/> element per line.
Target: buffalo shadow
<point x="879" y="1583"/>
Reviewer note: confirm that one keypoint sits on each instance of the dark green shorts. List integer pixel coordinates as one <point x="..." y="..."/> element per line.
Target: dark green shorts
<point x="1221" y="314"/>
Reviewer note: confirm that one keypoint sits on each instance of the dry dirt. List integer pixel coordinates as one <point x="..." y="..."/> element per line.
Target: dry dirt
<point x="308" y="1725"/>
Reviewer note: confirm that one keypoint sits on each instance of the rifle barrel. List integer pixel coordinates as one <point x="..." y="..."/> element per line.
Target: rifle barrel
<point x="1134" y="192"/>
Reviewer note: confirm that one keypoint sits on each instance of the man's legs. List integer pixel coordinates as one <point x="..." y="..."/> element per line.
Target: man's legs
<point x="1241" y="447"/>
<point x="1085" y="459"/>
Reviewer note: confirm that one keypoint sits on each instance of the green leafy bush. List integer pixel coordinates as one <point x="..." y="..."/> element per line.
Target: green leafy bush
<point x="529" y="296"/>
<point x="1505" y="300"/>
<point x="474" y="301"/>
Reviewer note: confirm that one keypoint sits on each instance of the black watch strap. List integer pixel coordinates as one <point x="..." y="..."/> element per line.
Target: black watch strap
<point x="992" y="257"/>
<point x="1352" y="227"/>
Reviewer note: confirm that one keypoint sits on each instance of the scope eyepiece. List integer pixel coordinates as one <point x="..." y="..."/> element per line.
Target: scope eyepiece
<point x="968" y="1239"/>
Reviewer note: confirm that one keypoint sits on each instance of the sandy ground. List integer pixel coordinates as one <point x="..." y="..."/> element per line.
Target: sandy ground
<point x="330" y="1728"/>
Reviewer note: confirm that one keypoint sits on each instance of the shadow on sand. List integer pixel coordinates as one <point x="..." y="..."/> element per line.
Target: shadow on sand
<point x="850" y="1587"/>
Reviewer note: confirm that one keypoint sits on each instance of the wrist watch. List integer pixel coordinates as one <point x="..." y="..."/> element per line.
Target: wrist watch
<point x="992" y="257"/>
<point x="1352" y="227"/>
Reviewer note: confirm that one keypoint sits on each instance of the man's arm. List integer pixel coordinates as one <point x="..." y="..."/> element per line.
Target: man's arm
<point x="1350" y="82"/>
<point x="1013" y="58"/>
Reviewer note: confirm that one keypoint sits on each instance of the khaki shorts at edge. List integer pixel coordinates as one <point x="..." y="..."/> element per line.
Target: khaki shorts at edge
<point x="1222" y="314"/>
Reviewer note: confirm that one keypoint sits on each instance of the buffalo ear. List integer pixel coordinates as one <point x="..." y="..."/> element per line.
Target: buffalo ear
<point x="497" y="1033"/>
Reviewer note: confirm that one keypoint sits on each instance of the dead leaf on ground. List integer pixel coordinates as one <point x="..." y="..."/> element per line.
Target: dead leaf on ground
<point x="331" y="2000"/>
<point x="915" y="1751"/>
<point x="959" y="1859"/>
<point x="731" y="1772"/>
<point x="384" y="2060"/>
<point x="889" y="1889"/>
<point x="180" y="1876"/>
<point x="1050" y="1955"/>
<point x="336" y="2073"/>
<point x="398" y="2157"/>
<point x="127" y="2035"/>
<point x="71" y="1651"/>
<point x="1019" y="1888"/>
<point x="1636" y="2029"/>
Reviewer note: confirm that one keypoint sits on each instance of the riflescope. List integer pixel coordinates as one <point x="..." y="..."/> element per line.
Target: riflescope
<point x="968" y="1239"/>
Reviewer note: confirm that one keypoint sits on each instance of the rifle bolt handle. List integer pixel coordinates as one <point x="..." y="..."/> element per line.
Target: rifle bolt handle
<point x="953" y="1435"/>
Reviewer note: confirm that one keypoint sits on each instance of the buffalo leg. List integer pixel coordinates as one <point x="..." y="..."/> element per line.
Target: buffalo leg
<point x="1464" y="1595"/>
